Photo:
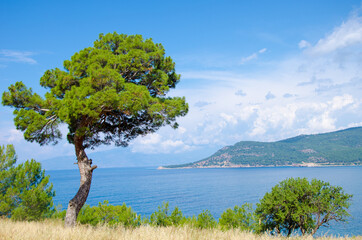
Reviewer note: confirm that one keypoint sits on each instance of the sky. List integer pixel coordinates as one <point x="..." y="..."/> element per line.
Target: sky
<point x="250" y="70"/>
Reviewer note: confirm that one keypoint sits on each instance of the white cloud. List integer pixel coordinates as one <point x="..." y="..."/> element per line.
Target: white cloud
<point x="15" y="136"/>
<point x="17" y="56"/>
<point x="345" y="35"/>
<point x="273" y="117"/>
<point x="171" y="144"/>
<point x="306" y="116"/>
<point x="357" y="124"/>
<point x="150" y="139"/>
<point x="249" y="58"/>
<point x="253" y="56"/>
<point x="229" y="118"/>
<point x="322" y="123"/>
<point x="166" y="141"/>
<point x="246" y="112"/>
<point x="340" y="102"/>
<point x="27" y="150"/>
<point x="181" y="130"/>
<point x="303" y="109"/>
<point x="304" y="44"/>
<point x="262" y="50"/>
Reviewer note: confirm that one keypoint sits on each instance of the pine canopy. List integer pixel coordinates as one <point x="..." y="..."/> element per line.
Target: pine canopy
<point x="111" y="92"/>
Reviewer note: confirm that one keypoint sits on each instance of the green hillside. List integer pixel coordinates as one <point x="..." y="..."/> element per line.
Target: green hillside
<point x="336" y="148"/>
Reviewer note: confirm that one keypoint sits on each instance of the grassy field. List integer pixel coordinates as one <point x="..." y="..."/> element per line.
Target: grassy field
<point x="54" y="230"/>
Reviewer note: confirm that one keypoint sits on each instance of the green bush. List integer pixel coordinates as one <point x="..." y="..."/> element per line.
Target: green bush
<point x="190" y="221"/>
<point x="59" y="213"/>
<point x="205" y="220"/>
<point x="162" y="217"/>
<point x="25" y="192"/>
<point x="239" y="217"/>
<point x="109" y="215"/>
<point x="177" y="218"/>
<point x="296" y="204"/>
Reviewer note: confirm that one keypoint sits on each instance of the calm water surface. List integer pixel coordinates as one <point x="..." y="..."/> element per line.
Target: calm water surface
<point x="194" y="190"/>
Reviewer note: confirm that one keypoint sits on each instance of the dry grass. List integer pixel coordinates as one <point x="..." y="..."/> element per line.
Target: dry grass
<point x="54" y="230"/>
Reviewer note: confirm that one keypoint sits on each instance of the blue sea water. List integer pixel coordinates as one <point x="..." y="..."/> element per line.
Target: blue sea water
<point x="194" y="190"/>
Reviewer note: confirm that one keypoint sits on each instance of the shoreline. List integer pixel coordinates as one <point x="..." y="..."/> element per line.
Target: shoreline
<point x="257" y="166"/>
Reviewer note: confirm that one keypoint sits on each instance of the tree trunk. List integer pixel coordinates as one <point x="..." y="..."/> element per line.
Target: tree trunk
<point x="86" y="171"/>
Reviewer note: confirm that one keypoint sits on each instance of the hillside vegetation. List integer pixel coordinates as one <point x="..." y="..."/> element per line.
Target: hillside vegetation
<point x="336" y="148"/>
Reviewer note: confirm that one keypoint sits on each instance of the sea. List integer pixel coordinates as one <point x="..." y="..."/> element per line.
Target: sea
<point x="195" y="190"/>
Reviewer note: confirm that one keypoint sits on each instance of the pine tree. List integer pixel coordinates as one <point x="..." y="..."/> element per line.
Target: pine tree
<point x="109" y="93"/>
<point x="25" y="192"/>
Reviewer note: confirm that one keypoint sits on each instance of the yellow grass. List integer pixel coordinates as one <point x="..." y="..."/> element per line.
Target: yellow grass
<point x="54" y="230"/>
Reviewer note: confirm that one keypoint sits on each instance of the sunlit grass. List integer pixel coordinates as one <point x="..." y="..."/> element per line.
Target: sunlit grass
<point x="54" y="229"/>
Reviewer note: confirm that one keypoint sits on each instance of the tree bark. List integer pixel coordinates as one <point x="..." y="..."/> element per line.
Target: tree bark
<point x="86" y="172"/>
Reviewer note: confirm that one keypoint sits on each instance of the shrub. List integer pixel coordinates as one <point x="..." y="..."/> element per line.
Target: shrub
<point x="239" y="217"/>
<point x="205" y="220"/>
<point x="162" y="218"/>
<point x="59" y="213"/>
<point x="109" y="215"/>
<point x="177" y="218"/>
<point x="297" y="204"/>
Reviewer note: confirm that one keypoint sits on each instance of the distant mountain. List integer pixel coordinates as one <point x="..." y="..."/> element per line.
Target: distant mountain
<point x="124" y="157"/>
<point x="336" y="148"/>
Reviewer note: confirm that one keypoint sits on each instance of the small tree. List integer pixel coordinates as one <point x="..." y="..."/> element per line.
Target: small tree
<point x="25" y="193"/>
<point x="109" y="93"/>
<point x="299" y="204"/>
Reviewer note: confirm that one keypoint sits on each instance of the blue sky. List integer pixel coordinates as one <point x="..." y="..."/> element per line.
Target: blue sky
<point x="250" y="70"/>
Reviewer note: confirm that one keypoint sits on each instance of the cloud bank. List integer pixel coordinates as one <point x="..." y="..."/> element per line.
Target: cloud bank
<point x="316" y="90"/>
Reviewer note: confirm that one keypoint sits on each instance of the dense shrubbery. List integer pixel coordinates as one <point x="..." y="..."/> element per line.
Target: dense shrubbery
<point x="294" y="205"/>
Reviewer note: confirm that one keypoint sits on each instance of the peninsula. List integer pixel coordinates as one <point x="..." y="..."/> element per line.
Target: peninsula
<point x="340" y="148"/>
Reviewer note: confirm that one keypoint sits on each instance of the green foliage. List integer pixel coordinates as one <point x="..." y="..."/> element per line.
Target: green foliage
<point x="299" y="204"/>
<point x="59" y="213"/>
<point x="109" y="214"/>
<point x="293" y="204"/>
<point x="7" y="159"/>
<point x="239" y="217"/>
<point x="25" y="193"/>
<point x="177" y="218"/>
<point x="111" y="92"/>
<point x="205" y="220"/>
<point x="162" y="217"/>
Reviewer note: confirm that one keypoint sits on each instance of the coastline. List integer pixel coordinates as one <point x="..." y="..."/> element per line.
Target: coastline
<point x="257" y="166"/>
